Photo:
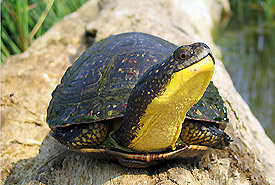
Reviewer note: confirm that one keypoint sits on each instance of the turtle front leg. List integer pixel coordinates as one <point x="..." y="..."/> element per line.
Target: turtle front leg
<point x="82" y="135"/>
<point x="204" y="134"/>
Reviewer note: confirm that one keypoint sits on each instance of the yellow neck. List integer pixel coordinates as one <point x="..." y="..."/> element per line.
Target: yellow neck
<point x="161" y="124"/>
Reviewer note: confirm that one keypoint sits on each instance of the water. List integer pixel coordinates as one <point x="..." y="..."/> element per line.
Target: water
<point x="248" y="55"/>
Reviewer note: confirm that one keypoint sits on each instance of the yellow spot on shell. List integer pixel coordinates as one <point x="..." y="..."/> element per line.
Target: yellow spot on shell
<point x="89" y="135"/>
<point x="110" y="112"/>
<point x="78" y="143"/>
<point x="114" y="106"/>
<point x="77" y="138"/>
<point x="84" y="131"/>
<point x="74" y="144"/>
<point x="157" y="71"/>
<point x="83" y="139"/>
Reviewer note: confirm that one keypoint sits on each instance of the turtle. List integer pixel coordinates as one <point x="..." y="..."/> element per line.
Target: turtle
<point x="139" y="99"/>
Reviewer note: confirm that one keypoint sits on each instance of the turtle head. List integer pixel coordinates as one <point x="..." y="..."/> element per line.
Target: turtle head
<point x="188" y="55"/>
<point x="161" y="98"/>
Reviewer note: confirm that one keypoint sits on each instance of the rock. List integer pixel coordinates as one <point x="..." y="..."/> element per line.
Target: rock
<point x="28" y="80"/>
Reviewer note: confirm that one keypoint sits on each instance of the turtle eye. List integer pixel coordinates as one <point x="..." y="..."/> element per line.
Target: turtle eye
<point x="182" y="54"/>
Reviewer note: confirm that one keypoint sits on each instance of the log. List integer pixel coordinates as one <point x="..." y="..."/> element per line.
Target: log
<point x="29" y="154"/>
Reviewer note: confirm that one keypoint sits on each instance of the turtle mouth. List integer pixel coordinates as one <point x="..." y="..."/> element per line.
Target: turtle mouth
<point x="204" y="58"/>
<point x="212" y="57"/>
<point x="204" y="50"/>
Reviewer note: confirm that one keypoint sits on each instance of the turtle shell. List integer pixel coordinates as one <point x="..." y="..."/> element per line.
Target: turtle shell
<point x="98" y="84"/>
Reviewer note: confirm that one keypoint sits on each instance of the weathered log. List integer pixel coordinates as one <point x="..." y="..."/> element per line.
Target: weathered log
<point x="28" y="80"/>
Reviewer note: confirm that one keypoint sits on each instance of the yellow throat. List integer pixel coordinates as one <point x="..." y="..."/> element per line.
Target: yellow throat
<point x="162" y="121"/>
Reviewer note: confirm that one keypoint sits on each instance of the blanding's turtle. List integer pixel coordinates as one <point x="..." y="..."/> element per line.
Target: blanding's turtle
<point x="140" y="99"/>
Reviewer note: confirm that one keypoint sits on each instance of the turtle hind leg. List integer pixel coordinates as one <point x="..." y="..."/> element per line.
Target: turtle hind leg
<point x="82" y="135"/>
<point x="205" y="134"/>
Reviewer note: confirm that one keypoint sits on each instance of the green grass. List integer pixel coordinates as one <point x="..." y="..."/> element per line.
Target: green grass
<point x="22" y="21"/>
<point x="253" y="11"/>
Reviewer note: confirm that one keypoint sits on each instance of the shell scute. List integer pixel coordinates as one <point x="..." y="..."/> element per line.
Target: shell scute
<point x="104" y="75"/>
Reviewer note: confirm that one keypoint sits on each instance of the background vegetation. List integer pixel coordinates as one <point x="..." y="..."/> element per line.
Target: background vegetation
<point x="252" y="11"/>
<point x="22" y="21"/>
<point x="248" y="44"/>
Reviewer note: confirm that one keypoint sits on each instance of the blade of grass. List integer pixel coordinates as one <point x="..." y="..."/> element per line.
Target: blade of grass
<point x="60" y="9"/>
<point x="41" y="20"/>
<point x="4" y="52"/>
<point x="25" y="20"/>
<point x="19" y="21"/>
<point x="6" y="39"/>
<point x="269" y="8"/>
<point x="21" y="10"/>
<point x="9" y="22"/>
<point x="65" y="6"/>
